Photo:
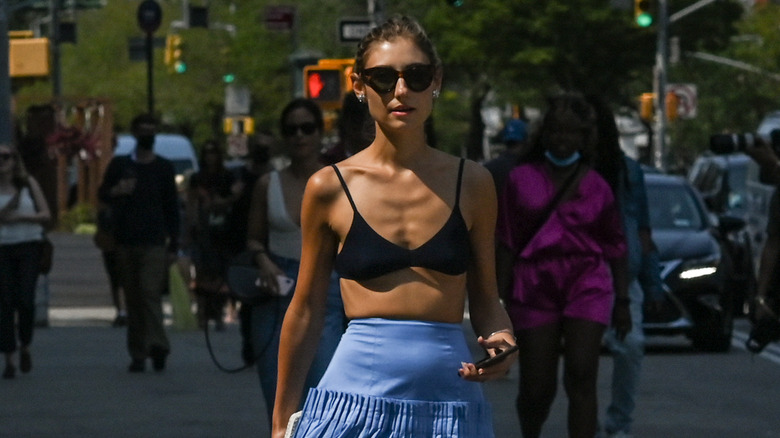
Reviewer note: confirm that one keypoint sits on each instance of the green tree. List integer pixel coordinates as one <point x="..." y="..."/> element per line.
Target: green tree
<point x="730" y="99"/>
<point x="513" y="51"/>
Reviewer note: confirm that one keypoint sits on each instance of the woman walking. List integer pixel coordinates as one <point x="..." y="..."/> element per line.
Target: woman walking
<point x="410" y="230"/>
<point x="274" y="234"/>
<point x="23" y="213"/>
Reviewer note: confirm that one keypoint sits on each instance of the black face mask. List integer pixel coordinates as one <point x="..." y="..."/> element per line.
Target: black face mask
<point x="145" y="141"/>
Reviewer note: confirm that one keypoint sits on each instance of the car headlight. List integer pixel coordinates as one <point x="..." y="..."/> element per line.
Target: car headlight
<point x="699" y="268"/>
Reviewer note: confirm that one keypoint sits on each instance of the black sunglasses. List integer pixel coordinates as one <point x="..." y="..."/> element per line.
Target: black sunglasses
<point x="418" y="77"/>
<point x="306" y="128"/>
<point x="6" y="156"/>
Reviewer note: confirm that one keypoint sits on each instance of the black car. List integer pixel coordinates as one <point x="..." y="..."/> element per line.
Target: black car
<point x="695" y="268"/>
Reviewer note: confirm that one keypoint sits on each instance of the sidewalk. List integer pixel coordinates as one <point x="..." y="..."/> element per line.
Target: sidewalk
<point x="80" y="387"/>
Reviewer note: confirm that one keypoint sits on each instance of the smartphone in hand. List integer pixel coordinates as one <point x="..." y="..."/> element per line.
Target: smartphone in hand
<point x="498" y="358"/>
<point x="285" y="285"/>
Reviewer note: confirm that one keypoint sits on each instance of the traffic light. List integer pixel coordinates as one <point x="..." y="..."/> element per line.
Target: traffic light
<point x="238" y="125"/>
<point x="174" y="53"/>
<point x="672" y="105"/>
<point x="322" y="85"/>
<point x="643" y="16"/>
<point x="456" y="3"/>
<point x="28" y="57"/>
<point x="646" y="106"/>
<point x="328" y="81"/>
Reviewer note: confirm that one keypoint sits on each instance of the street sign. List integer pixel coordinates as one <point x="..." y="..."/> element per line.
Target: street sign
<point x="149" y="16"/>
<point x="279" y="17"/>
<point x="238" y="99"/>
<point x="687" y="97"/>
<point x="352" y="31"/>
<point x="237" y="145"/>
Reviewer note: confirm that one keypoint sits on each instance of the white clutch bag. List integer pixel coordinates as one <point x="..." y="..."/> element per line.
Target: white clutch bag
<point x="292" y="425"/>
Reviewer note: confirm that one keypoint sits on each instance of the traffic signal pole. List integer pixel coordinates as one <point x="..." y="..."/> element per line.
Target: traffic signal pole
<point x="659" y="86"/>
<point x="376" y="11"/>
<point x="149" y="72"/>
<point x="660" y="80"/>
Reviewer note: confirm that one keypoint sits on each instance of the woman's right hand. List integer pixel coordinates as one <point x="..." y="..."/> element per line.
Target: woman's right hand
<point x="269" y="272"/>
<point x="7" y="213"/>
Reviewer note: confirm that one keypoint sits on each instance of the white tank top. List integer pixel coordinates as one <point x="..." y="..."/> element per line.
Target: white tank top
<point x="20" y="232"/>
<point x="284" y="235"/>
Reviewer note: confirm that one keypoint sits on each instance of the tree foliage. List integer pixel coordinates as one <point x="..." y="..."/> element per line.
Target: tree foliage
<point x="730" y="99"/>
<point x="505" y="52"/>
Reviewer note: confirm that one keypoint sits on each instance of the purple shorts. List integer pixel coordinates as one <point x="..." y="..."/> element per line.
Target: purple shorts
<point x="548" y="290"/>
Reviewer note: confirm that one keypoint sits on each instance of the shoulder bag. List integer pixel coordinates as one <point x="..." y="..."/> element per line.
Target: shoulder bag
<point x="47" y="248"/>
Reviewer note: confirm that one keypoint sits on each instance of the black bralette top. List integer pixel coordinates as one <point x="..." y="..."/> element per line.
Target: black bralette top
<point x="366" y="255"/>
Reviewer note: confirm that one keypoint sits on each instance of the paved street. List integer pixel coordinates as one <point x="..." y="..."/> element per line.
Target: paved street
<point x="80" y="387"/>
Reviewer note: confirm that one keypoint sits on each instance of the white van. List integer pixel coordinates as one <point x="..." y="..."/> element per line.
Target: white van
<point x="174" y="147"/>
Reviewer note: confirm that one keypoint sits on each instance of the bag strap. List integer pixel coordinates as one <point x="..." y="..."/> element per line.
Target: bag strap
<point x="552" y="205"/>
<point x="35" y="204"/>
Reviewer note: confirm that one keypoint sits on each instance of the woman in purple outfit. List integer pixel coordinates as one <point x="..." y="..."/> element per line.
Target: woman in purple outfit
<point x="560" y="278"/>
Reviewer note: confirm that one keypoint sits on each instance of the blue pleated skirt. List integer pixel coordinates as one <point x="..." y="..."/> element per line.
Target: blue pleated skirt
<point x="394" y="379"/>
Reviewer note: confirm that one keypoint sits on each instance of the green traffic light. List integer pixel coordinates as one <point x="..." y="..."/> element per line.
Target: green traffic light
<point x="180" y="67"/>
<point x="229" y="78"/>
<point x="644" y="19"/>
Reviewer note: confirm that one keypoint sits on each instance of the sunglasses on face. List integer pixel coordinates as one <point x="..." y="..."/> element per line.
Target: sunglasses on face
<point x="307" y="128"/>
<point x="418" y="77"/>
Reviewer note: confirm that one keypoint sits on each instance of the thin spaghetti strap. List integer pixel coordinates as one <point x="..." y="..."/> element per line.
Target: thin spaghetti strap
<point x="460" y="178"/>
<point x="344" y="185"/>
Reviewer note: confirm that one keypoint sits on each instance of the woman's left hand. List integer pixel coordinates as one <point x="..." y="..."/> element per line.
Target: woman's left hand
<point x="621" y="320"/>
<point x="493" y="345"/>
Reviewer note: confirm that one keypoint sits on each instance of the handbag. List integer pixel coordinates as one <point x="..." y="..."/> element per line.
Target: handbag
<point x="292" y="424"/>
<point x="104" y="236"/>
<point x="47" y="248"/>
<point x="244" y="282"/>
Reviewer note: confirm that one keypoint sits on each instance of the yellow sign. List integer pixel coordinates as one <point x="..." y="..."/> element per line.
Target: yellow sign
<point x="28" y="57"/>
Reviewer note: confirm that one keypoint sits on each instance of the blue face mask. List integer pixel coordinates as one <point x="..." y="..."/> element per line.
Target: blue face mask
<point x="558" y="162"/>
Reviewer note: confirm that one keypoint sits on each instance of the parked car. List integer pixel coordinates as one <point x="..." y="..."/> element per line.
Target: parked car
<point x="695" y="266"/>
<point x="176" y="148"/>
<point x="729" y="186"/>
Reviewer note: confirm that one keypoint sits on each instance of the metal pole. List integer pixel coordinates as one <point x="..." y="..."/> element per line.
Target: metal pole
<point x="376" y="12"/>
<point x="661" y="61"/>
<point x="56" y="73"/>
<point x="6" y="118"/>
<point x="149" y="70"/>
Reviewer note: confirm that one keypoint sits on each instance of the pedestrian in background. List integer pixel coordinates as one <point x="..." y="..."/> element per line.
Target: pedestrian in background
<point x="210" y="197"/>
<point x="626" y="178"/>
<point x="410" y="230"/>
<point x="141" y="191"/>
<point x="561" y="266"/>
<point x="514" y="136"/>
<point x="766" y="309"/>
<point x="23" y="214"/>
<point x="355" y="129"/>
<point x="275" y="235"/>
<point x="256" y="164"/>
<point x="104" y="240"/>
